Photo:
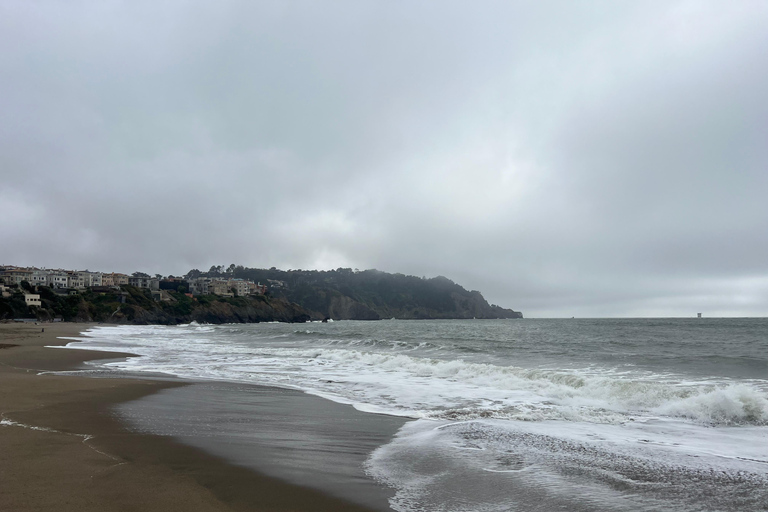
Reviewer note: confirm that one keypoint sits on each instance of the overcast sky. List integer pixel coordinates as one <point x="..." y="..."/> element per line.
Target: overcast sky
<point x="564" y="158"/>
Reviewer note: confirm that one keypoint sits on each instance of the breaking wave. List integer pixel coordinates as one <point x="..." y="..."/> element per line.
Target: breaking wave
<point x="602" y="396"/>
<point x="419" y="379"/>
<point x="514" y="416"/>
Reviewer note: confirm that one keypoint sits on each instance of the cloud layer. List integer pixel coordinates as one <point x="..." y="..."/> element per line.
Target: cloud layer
<point x="588" y="159"/>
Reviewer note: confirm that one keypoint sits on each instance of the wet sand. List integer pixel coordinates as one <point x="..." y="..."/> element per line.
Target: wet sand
<point x="284" y="433"/>
<point x="62" y="448"/>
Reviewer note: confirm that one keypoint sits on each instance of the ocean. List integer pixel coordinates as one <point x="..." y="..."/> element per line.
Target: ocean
<point x="473" y="415"/>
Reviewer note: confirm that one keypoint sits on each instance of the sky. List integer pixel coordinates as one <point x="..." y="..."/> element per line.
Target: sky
<point x="588" y="159"/>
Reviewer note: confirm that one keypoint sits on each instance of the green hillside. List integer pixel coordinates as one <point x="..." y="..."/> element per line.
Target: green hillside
<point x="345" y="294"/>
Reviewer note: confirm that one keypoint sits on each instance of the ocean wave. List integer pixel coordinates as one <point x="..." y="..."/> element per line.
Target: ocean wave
<point x="733" y="405"/>
<point x="582" y="463"/>
<point x="602" y="396"/>
<point x="406" y="377"/>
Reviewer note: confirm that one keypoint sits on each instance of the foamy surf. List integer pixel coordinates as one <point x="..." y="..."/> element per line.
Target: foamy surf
<point x="512" y="420"/>
<point x="511" y="465"/>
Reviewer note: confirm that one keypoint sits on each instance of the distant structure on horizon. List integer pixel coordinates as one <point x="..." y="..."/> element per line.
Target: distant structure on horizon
<point x="699" y="314"/>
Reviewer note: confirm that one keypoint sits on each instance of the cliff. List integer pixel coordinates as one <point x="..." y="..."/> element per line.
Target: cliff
<point x="294" y="296"/>
<point x="344" y="294"/>
<point x="135" y="306"/>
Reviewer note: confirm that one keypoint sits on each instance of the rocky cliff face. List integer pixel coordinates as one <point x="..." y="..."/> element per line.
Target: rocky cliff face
<point x="455" y="306"/>
<point x="463" y="307"/>
<point x="275" y="310"/>
<point x="135" y="306"/>
<point x="345" y="308"/>
<point x="344" y="294"/>
<point x="244" y="310"/>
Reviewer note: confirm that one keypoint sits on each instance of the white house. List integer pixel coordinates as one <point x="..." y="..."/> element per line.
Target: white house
<point x="90" y="278"/>
<point x="75" y="280"/>
<point x="240" y="286"/>
<point x="57" y="279"/>
<point x="144" y="282"/>
<point x="32" y="299"/>
<point x="209" y="286"/>
<point x="39" y="277"/>
<point x="199" y="286"/>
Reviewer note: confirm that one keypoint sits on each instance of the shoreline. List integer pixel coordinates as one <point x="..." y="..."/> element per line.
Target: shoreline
<point x="63" y="448"/>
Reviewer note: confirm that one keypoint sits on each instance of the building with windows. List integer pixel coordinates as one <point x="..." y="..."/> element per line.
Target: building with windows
<point x="149" y="283"/>
<point x="57" y="279"/>
<point x="39" y="277"/>
<point x="75" y="280"/>
<point x="32" y="299"/>
<point x="212" y="286"/>
<point x="15" y="275"/>
<point x="113" y="279"/>
<point x="89" y="278"/>
<point x="240" y="286"/>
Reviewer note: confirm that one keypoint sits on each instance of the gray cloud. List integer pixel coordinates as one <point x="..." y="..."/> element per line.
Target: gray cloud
<point x="590" y="159"/>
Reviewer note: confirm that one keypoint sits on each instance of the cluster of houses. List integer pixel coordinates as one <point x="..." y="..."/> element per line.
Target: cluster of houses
<point x="72" y="279"/>
<point x="61" y="280"/>
<point x="221" y="286"/>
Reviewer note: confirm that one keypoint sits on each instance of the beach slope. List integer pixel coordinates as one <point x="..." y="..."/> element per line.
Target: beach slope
<point x="61" y="447"/>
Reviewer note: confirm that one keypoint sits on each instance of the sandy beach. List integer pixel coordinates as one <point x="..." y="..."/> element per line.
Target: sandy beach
<point x="62" y="448"/>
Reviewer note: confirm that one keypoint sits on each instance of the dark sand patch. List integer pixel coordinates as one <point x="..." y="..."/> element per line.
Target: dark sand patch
<point x="284" y="433"/>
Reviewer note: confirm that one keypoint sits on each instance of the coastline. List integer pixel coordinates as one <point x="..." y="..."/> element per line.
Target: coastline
<point x="62" y="448"/>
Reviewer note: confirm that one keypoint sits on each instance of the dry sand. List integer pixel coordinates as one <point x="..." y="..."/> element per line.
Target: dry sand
<point x="61" y="449"/>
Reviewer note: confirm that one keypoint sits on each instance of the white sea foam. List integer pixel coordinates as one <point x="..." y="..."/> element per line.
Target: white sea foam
<point x="606" y="438"/>
<point x="732" y="405"/>
<point x="436" y="388"/>
<point x="503" y="465"/>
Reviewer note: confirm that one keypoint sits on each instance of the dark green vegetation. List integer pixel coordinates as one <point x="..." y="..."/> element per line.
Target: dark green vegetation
<point x="292" y="296"/>
<point x="345" y="294"/>
<point x="137" y="306"/>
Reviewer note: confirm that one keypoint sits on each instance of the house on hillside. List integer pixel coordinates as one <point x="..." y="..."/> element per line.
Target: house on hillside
<point x="75" y="280"/>
<point x="16" y="275"/>
<point x="113" y="279"/>
<point x="39" y="277"/>
<point x="257" y="288"/>
<point x="219" y="287"/>
<point x="57" y="279"/>
<point x="150" y="283"/>
<point x="199" y="286"/>
<point x="240" y="286"/>
<point x="89" y="278"/>
<point x="32" y="299"/>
